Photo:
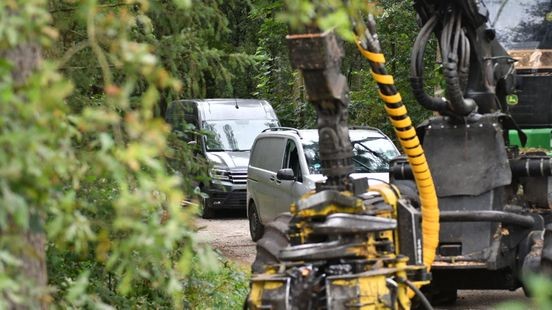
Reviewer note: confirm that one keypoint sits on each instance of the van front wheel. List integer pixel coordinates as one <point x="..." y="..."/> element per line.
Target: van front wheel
<point x="256" y="228"/>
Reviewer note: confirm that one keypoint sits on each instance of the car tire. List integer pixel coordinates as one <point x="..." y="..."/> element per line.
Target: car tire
<point x="256" y="228"/>
<point x="207" y="211"/>
<point x="274" y="239"/>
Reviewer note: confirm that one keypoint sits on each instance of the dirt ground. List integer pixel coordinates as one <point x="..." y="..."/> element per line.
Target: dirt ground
<point x="229" y="234"/>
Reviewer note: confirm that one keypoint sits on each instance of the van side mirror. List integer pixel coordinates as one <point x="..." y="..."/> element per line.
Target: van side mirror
<point x="285" y="174"/>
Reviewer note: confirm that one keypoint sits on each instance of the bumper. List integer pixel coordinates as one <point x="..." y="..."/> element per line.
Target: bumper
<point x="227" y="196"/>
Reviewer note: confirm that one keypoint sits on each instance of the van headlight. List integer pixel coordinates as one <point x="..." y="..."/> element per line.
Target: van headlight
<point x="220" y="174"/>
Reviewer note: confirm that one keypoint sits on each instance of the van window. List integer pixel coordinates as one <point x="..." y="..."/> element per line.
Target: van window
<point x="291" y="160"/>
<point x="267" y="153"/>
<point x="370" y="154"/>
<point x="234" y="135"/>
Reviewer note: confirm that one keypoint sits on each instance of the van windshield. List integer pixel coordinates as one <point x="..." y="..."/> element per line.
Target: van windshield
<point x="234" y="135"/>
<point x="370" y="154"/>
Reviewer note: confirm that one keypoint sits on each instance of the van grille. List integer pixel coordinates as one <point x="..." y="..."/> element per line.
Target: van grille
<point x="231" y="200"/>
<point x="238" y="177"/>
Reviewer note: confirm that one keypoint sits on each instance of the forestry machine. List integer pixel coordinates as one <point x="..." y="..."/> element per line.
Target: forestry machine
<point x="480" y="220"/>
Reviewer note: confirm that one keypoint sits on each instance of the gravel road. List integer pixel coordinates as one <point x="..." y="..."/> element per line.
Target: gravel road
<point x="229" y="234"/>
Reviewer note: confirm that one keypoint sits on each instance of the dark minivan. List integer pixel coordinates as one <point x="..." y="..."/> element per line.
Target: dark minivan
<point x="231" y="126"/>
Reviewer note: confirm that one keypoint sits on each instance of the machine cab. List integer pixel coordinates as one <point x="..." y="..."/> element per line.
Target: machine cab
<point x="524" y="28"/>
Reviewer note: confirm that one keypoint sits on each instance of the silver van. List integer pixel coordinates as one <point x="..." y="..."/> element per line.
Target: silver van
<point x="285" y="164"/>
<point x="230" y="127"/>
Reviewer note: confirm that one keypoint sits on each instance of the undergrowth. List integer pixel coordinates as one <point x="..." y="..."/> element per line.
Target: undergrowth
<point x="224" y="288"/>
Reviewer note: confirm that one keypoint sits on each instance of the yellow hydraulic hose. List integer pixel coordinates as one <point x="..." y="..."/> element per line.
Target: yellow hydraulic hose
<point x="410" y="144"/>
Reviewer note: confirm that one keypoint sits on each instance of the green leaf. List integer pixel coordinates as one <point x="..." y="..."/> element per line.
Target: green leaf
<point x="77" y="288"/>
<point x="183" y="4"/>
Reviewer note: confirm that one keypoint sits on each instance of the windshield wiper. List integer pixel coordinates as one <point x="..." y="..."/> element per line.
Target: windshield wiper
<point x="217" y="150"/>
<point x="226" y="150"/>
<point x="499" y="12"/>
<point x="362" y="164"/>
<point x="377" y="154"/>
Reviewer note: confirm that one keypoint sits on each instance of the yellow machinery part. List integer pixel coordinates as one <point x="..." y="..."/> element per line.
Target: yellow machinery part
<point x="256" y="294"/>
<point x="391" y="196"/>
<point x="387" y="192"/>
<point x="261" y="286"/>
<point x="410" y="144"/>
<point x="404" y="294"/>
<point x="330" y="209"/>
<point x="370" y="287"/>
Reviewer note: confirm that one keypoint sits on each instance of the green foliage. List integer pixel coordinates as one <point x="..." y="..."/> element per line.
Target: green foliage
<point x="198" y="46"/>
<point x="540" y="287"/>
<point x="326" y="14"/>
<point x="397" y="29"/>
<point x="35" y="136"/>
<point x="276" y="77"/>
<point x="127" y="212"/>
<point x="283" y="87"/>
<point x="29" y="24"/>
<point x="195" y="44"/>
<point x="84" y="155"/>
<point x="225" y="289"/>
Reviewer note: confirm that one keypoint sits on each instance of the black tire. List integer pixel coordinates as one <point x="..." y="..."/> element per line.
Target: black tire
<point x="408" y="190"/>
<point x="256" y="228"/>
<point x="437" y="297"/>
<point x="274" y="239"/>
<point x="207" y="211"/>
<point x="444" y="298"/>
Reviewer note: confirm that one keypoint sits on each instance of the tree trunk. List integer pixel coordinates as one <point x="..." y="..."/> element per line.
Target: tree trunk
<point x="34" y="268"/>
<point x="25" y="58"/>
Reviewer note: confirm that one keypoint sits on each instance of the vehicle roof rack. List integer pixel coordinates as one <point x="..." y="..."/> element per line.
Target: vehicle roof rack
<point x="283" y="129"/>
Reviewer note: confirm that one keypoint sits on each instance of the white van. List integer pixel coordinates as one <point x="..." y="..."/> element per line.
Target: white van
<point x="285" y="164"/>
<point x="231" y="126"/>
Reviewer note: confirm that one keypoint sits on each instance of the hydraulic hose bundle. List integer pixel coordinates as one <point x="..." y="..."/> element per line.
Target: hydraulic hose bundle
<point x="370" y="48"/>
<point x="455" y="52"/>
<point x="455" y="49"/>
<point x="417" y="70"/>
